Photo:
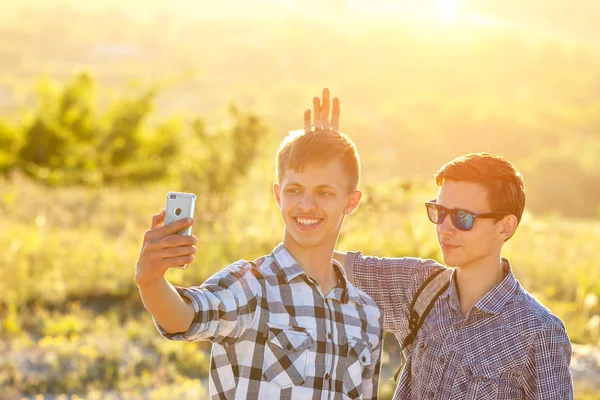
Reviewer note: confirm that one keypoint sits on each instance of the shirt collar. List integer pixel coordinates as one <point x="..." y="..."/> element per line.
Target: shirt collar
<point x="451" y="286"/>
<point x="288" y="265"/>
<point x="494" y="300"/>
<point x="291" y="270"/>
<point x="349" y="290"/>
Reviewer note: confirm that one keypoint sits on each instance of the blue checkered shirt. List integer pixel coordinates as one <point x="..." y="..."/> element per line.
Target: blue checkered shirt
<point x="508" y="346"/>
<point x="276" y="336"/>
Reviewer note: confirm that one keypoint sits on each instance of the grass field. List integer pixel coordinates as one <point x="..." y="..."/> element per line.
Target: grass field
<point x="71" y="321"/>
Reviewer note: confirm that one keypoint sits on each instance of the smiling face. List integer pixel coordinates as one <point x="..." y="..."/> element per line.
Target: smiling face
<point x="314" y="203"/>
<point x="482" y="244"/>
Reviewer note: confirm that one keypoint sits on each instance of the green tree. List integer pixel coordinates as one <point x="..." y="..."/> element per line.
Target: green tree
<point x="9" y="146"/>
<point x="67" y="141"/>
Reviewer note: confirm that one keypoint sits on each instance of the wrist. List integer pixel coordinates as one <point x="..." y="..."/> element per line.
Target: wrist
<point x="147" y="284"/>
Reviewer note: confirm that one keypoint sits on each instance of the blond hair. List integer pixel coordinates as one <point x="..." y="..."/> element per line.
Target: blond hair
<point x="301" y="148"/>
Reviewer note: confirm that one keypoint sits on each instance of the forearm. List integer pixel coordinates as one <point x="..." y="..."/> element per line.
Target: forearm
<point x="172" y="312"/>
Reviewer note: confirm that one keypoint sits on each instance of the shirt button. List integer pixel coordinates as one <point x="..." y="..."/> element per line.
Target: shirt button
<point x="364" y="359"/>
<point x="327" y="377"/>
<point x="329" y="336"/>
<point x="289" y="347"/>
<point x="442" y="361"/>
<point x="430" y="394"/>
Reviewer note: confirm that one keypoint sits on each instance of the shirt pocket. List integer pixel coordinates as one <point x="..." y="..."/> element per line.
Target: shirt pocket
<point x="286" y="354"/>
<point x="509" y="387"/>
<point x="494" y="387"/>
<point x="482" y="387"/>
<point x="487" y="379"/>
<point x="358" y="358"/>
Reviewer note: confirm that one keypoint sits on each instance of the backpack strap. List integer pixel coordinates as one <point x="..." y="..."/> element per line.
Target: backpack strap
<point x="422" y="303"/>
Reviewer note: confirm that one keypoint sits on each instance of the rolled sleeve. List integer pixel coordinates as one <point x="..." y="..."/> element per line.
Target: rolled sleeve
<point x="225" y="306"/>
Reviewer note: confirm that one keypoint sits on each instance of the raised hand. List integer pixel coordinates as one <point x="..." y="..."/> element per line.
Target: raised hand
<point x="321" y="109"/>
<point x="163" y="248"/>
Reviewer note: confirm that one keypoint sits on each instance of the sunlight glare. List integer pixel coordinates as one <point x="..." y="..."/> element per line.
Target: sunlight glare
<point x="447" y="10"/>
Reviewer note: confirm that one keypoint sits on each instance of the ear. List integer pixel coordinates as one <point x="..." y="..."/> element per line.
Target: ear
<point x="352" y="202"/>
<point x="277" y="194"/>
<point x="506" y="227"/>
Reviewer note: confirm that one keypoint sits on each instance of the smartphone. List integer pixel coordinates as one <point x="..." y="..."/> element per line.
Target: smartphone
<point x="179" y="206"/>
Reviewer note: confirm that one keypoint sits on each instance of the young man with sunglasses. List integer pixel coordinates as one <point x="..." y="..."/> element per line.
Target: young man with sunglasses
<point x="485" y="337"/>
<point x="290" y="325"/>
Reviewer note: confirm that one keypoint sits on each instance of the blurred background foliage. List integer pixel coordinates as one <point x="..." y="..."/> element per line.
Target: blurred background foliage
<point x="416" y="92"/>
<point x="104" y="107"/>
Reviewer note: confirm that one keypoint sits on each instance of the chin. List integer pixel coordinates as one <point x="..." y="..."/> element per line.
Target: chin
<point x="450" y="261"/>
<point x="307" y="241"/>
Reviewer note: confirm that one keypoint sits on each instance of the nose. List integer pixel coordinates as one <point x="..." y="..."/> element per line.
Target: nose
<point x="446" y="228"/>
<point x="307" y="203"/>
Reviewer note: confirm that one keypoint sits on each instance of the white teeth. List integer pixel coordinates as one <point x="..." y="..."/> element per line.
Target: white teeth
<point x="307" y="222"/>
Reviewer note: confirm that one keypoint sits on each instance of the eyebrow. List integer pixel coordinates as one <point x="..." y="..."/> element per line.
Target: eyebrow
<point x="464" y="209"/>
<point x="321" y="186"/>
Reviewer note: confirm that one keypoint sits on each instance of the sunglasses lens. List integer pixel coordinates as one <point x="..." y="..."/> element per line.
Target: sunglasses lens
<point x="435" y="213"/>
<point x="462" y="220"/>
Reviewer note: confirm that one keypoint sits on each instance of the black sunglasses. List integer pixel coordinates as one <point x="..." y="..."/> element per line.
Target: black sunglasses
<point x="462" y="219"/>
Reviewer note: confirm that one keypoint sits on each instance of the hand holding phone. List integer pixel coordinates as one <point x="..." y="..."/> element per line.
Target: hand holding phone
<point x="180" y="206"/>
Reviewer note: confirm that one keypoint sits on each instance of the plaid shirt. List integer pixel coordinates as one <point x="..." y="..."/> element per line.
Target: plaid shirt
<point x="276" y="336"/>
<point x="509" y="346"/>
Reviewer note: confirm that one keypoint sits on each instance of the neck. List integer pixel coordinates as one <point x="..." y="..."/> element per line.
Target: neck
<point x="475" y="280"/>
<point x="315" y="260"/>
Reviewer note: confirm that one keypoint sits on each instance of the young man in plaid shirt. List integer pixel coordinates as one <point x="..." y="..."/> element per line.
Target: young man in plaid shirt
<point x="291" y="325"/>
<point x="485" y="337"/>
